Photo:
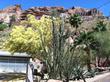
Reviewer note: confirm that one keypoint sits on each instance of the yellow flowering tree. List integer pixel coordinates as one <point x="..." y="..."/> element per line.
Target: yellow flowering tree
<point x="30" y="35"/>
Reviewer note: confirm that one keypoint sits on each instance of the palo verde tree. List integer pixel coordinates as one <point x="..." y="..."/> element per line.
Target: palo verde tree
<point x="104" y="47"/>
<point x="101" y="35"/>
<point x="27" y="36"/>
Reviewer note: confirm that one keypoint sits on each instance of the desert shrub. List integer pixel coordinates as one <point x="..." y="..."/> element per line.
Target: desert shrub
<point x="3" y="26"/>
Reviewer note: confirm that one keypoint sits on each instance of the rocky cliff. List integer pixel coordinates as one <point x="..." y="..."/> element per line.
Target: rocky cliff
<point x="7" y="13"/>
<point x="16" y="10"/>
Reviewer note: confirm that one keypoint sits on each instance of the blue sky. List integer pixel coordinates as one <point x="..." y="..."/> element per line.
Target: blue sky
<point x="65" y="3"/>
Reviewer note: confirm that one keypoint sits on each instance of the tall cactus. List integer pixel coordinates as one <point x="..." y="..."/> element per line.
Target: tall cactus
<point x="59" y="57"/>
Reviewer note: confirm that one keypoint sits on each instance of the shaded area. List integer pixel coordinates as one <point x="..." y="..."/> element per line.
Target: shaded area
<point x="11" y="76"/>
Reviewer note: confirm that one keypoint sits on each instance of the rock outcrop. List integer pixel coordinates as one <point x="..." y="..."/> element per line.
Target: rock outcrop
<point x="39" y="11"/>
<point x="7" y="13"/>
<point x="85" y="12"/>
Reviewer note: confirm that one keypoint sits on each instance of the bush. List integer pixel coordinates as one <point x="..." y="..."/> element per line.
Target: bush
<point x="3" y="26"/>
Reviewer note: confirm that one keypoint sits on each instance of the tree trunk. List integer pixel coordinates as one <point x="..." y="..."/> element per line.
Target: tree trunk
<point x="83" y="78"/>
<point x="106" y="62"/>
<point x="67" y="79"/>
<point x="88" y="65"/>
<point x="98" y="61"/>
<point x="88" y="59"/>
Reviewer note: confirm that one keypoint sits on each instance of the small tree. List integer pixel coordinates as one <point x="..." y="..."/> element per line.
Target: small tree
<point x="27" y="36"/>
<point x="100" y="34"/>
<point x="104" y="46"/>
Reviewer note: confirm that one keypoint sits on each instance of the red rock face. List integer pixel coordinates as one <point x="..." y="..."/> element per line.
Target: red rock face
<point x="39" y="11"/>
<point x="11" y="9"/>
<point x="6" y="13"/>
<point x="85" y="12"/>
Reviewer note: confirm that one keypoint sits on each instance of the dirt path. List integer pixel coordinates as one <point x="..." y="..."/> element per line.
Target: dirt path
<point x="98" y="78"/>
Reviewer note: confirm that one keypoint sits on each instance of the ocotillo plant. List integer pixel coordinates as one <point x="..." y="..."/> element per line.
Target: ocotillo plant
<point x="59" y="56"/>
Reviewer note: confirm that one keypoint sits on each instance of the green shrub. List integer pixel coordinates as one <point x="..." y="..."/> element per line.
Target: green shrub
<point x="3" y="26"/>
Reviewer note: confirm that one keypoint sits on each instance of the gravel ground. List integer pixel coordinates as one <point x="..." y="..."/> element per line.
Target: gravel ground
<point x="98" y="78"/>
